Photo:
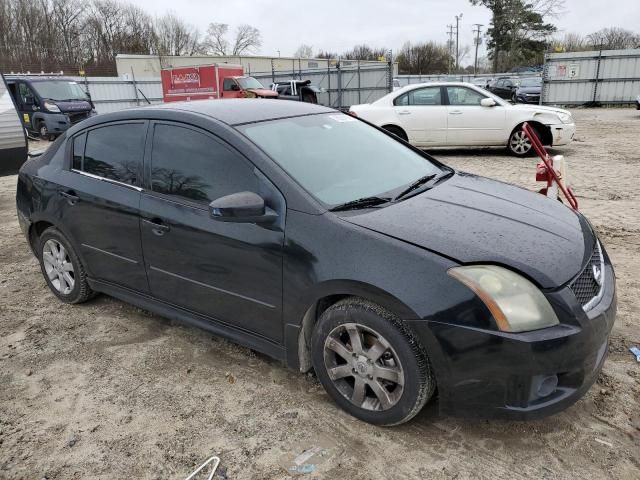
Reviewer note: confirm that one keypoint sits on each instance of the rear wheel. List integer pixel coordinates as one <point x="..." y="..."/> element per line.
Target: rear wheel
<point x="61" y="267"/>
<point x="370" y="363"/>
<point x="397" y="131"/>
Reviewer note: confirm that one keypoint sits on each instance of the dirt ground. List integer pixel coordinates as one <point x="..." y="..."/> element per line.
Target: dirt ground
<point x="107" y="391"/>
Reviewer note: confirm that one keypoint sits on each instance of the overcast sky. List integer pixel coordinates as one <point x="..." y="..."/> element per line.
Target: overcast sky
<point x="337" y="25"/>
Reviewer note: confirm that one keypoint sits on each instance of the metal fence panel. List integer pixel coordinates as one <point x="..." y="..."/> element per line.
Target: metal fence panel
<point x="342" y="86"/>
<point x="606" y="77"/>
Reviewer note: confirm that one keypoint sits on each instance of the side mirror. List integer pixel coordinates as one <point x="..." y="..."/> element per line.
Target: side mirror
<point x="29" y="101"/>
<point x="235" y="87"/>
<point x="488" y="102"/>
<point x="241" y="207"/>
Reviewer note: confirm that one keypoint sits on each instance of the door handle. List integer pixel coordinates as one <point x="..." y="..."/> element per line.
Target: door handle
<point x="71" y="197"/>
<point x="157" y="227"/>
<point x="404" y="112"/>
<point x="455" y="112"/>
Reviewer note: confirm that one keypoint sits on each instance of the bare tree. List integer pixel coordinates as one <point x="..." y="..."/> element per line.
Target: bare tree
<point x="365" y="52"/>
<point x="569" y="42"/>
<point x="304" y="51"/>
<point x="248" y="40"/>
<point x="428" y="57"/>
<point x="614" y="38"/>
<point x="215" y="42"/>
<point x="175" y="37"/>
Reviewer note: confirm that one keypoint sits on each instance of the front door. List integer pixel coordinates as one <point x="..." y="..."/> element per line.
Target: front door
<point x="423" y="115"/>
<point x="470" y="123"/>
<point x="99" y="199"/>
<point x="230" y="272"/>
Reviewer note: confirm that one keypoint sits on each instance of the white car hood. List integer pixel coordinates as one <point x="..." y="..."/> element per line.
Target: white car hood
<point x="539" y="108"/>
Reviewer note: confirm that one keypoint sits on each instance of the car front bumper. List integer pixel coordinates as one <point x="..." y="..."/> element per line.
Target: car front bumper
<point x="533" y="99"/>
<point x="492" y="374"/>
<point x="562" y="133"/>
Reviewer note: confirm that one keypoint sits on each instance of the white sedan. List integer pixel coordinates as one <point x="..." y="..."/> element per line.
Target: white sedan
<point x="462" y="115"/>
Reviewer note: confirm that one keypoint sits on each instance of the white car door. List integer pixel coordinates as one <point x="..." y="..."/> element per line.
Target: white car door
<point x="423" y="115"/>
<point x="469" y="123"/>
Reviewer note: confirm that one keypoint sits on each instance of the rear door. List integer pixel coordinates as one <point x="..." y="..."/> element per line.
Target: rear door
<point x="99" y="200"/>
<point x="423" y="115"/>
<point x="469" y="123"/>
<point x="230" y="272"/>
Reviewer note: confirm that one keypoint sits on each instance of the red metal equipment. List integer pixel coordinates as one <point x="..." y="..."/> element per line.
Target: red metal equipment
<point x="545" y="171"/>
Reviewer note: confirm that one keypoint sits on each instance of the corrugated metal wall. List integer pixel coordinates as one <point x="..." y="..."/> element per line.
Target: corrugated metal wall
<point x="405" y="80"/>
<point x="607" y="77"/>
<point x="110" y="94"/>
<point x="351" y="84"/>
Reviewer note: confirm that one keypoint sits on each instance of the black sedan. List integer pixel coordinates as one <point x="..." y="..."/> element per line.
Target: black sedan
<point x="313" y="237"/>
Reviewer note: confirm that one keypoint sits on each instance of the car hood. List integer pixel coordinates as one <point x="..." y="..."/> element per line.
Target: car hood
<point x="529" y="90"/>
<point x="263" y="92"/>
<point x="539" y="108"/>
<point x="73" y="106"/>
<point x="472" y="219"/>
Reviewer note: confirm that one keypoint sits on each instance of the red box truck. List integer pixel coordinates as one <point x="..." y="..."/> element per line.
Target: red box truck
<point x="210" y="82"/>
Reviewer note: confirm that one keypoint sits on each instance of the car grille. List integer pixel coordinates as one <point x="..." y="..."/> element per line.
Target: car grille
<point x="589" y="284"/>
<point x="77" y="117"/>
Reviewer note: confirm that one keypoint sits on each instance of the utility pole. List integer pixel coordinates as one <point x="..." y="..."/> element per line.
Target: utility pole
<point x="458" y="18"/>
<point x="477" y="31"/>
<point x="450" y="45"/>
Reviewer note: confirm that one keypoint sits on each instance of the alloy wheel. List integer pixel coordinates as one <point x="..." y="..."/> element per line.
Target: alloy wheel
<point x="364" y="367"/>
<point x="520" y="143"/>
<point x="58" y="266"/>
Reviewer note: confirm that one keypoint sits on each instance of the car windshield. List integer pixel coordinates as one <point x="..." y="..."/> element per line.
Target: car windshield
<point x="338" y="158"/>
<point x="247" y="83"/>
<point x="60" y="90"/>
<point x="530" y="82"/>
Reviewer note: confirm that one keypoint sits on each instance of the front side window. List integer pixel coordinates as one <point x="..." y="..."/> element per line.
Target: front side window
<point x="227" y="84"/>
<point x="337" y="158"/>
<point x="463" y="96"/>
<point x="194" y="166"/>
<point x="115" y="152"/>
<point x="25" y="93"/>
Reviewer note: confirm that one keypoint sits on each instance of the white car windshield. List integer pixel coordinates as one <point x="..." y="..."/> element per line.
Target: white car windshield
<point x="337" y="158"/>
<point x="60" y="90"/>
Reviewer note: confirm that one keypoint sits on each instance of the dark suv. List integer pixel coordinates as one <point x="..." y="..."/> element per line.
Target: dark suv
<point x="316" y="238"/>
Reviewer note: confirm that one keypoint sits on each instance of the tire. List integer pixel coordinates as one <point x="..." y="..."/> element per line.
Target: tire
<point x="55" y="263"/>
<point x="397" y="131"/>
<point x="519" y="144"/>
<point x="370" y="363"/>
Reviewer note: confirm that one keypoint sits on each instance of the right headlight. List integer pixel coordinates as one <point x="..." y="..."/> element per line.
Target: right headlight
<point x="516" y="304"/>
<point x="565" y="117"/>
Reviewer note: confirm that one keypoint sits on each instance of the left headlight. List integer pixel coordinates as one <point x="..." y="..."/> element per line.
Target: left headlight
<point x="51" y="107"/>
<point x="565" y="117"/>
<point x="516" y="304"/>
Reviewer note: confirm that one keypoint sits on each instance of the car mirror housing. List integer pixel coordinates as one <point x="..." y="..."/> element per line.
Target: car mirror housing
<point x="241" y="207"/>
<point x="488" y="102"/>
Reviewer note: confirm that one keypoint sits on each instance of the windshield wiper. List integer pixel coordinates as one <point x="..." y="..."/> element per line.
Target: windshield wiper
<point x="360" y="203"/>
<point x="415" y="185"/>
<point x="423" y="180"/>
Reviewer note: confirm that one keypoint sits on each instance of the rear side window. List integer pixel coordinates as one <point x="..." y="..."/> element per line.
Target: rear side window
<point x="194" y="166"/>
<point x="114" y="152"/>
<point x="78" y="151"/>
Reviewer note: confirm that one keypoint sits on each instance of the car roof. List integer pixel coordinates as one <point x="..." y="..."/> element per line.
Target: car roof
<point x="411" y="86"/>
<point x="241" y="110"/>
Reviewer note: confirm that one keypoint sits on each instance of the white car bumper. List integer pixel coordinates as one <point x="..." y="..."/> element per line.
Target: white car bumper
<point x="562" y="133"/>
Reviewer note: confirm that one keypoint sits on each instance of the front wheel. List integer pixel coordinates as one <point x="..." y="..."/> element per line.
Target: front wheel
<point x="370" y="363"/>
<point x="519" y="144"/>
